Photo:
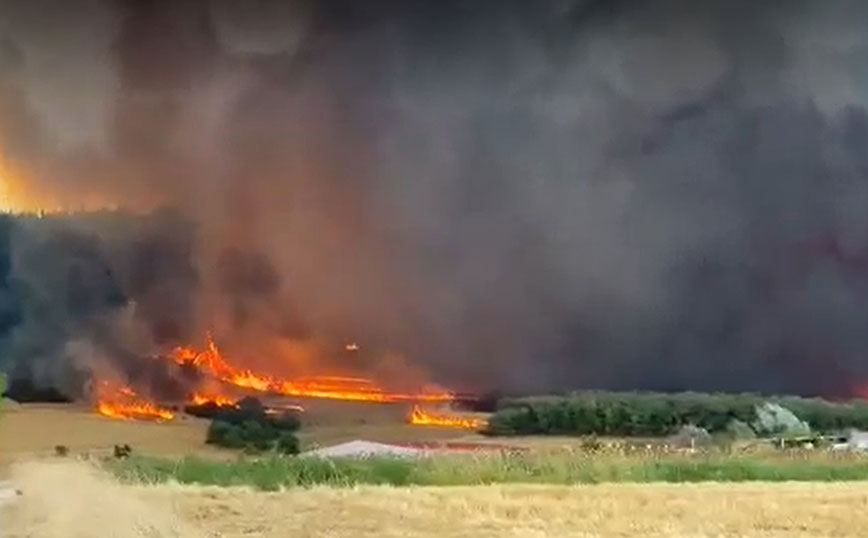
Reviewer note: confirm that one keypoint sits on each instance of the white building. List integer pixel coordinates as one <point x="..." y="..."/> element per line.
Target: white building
<point x="362" y="449"/>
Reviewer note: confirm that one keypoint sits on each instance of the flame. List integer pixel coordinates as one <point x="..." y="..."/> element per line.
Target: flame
<point x="122" y="402"/>
<point x="352" y="346"/>
<point x="212" y="362"/>
<point x="425" y="418"/>
<point x="218" y="399"/>
<point x="137" y="411"/>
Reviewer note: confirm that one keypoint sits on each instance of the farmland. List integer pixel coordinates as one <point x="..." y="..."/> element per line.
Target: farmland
<point x="175" y="485"/>
<point x="797" y="510"/>
<point x="33" y="430"/>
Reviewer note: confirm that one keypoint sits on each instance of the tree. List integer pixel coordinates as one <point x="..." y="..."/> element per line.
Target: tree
<point x="774" y="419"/>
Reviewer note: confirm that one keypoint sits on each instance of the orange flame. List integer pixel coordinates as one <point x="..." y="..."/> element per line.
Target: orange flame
<point x="352" y="346"/>
<point x="425" y="418"/>
<point x="139" y="411"/>
<point x="332" y="387"/>
<point x="124" y="404"/>
<point x="202" y="399"/>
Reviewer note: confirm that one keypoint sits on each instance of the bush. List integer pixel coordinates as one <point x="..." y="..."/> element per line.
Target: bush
<point x="225" y="435"/>
<point x="246" y="425"/>
<point x="287" y="444"/>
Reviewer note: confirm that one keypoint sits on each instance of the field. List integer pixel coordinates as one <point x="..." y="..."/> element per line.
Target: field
<point x="28" y="431"/>
<point x="33" y="430"/>
<point x="559" y="487"/>
<point x="101" y="506"/>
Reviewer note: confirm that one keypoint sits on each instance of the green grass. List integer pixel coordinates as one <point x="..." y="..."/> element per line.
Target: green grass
<point x="273" y="472"/>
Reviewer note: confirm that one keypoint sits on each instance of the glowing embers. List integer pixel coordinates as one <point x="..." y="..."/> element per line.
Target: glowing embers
<point x="123" y="403"/>
<point x="428" y="418"/>
<point x="212" y="362"/>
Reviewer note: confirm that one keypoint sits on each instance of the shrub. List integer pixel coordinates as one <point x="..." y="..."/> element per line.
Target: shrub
<point x="225" y="435"/>
<point x="248" y="426"/>
<point x="122" y="451"/>
<point x="287" y="444"/>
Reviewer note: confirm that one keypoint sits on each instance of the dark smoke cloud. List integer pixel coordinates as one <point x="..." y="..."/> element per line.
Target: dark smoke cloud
<point x="93" y="294"/>
<point x="523" y="195"/>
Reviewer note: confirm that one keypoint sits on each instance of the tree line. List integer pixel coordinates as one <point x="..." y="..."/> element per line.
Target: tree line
<point x="658" y="414"/>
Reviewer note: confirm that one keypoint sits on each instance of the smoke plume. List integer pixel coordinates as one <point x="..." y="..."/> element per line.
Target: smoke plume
<point x="518" y="195"/>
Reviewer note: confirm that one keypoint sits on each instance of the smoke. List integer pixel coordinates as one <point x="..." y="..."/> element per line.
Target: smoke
<point x="528" y="196"/>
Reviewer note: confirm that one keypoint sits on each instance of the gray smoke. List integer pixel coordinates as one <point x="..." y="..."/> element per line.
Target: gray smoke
<point x="523" y="195"/>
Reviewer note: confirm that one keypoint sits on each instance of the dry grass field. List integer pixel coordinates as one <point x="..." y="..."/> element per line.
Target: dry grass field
<point x="98" y="506"/>
<point x="33" y="430"/>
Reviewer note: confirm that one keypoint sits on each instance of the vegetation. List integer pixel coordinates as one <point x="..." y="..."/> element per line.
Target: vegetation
<point x="247" y="425"/>
<point x="102" y="507"/>
<point x="656" y="414"/>
<point x="578" y="467"/>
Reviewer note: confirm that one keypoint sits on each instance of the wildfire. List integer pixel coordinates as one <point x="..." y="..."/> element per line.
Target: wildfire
<point x="425" y="418"/>
<point x="212" y="362"/>
<point x="202" y="399"/>
<point x="352" y="346"/>
<point x="137" y="411"/>
<point x="122" y="402"/>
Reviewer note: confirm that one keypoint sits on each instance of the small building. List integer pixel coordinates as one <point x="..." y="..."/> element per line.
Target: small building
<point x="363" y="449"/>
